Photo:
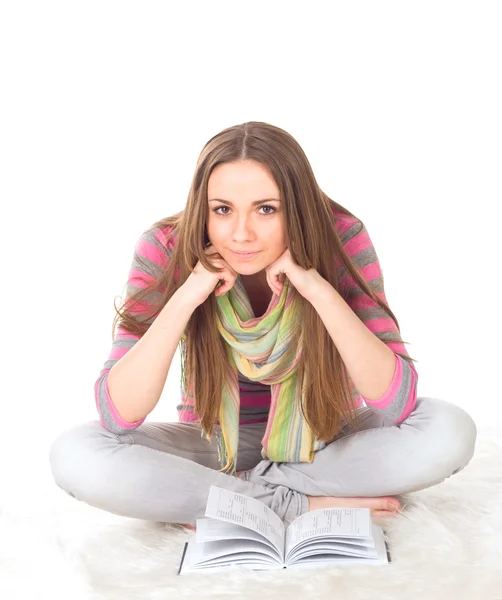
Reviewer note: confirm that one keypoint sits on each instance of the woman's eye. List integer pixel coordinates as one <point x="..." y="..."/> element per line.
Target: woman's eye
<point x="267" y="206"/>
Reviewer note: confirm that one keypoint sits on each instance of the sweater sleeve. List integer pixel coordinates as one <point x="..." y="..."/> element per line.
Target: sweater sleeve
<point x="151" y="257"/>
<point x="400" y="398"/>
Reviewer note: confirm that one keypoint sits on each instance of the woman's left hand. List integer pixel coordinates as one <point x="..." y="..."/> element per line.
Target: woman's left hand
<point x="305" y="281"/>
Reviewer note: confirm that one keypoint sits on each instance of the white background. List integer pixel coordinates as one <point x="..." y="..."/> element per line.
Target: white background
<point x="105" y="107"/>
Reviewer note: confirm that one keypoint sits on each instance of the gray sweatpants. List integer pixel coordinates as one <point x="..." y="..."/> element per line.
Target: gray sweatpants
<point x="163" y="471"/>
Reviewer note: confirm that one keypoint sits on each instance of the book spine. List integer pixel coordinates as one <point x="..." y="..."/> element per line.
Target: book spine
<point x="388" y="551"/>
<point x="182" y="557"/>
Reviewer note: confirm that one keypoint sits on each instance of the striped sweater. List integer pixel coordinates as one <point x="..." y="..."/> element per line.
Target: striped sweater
<point x="397" y="402"/>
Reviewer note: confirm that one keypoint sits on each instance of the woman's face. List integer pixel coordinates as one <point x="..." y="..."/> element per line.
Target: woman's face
<point x="238" y="224"/>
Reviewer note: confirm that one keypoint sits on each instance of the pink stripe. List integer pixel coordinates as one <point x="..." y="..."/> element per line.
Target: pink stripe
<point x="150" y="251"/>
<point x="397" y="347"/>
<point x="381" y="325"/>
<point x="188" y="416"/>
<point x="250" y="421"/>
<point x="343" y="222"/>
<point x="141" y="308"/>
<point x="386" y="326"/>
<point x="162" y="234"/>
<point x="140" y="278"/>
<point x="369" y="272"/>
<point x="356" y="244"/>
<point x="255" y="401"/>
<point x="117" y="352"/>
<point x="362" y="301"/>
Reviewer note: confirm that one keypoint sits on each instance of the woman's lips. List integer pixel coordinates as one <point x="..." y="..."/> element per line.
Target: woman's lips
<point x="244" y="255"/>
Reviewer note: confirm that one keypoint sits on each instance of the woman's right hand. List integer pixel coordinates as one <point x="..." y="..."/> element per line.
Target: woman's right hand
<point x="202" y="282"/>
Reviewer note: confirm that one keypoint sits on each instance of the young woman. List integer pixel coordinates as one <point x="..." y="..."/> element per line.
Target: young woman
<point x="296" y="389"/>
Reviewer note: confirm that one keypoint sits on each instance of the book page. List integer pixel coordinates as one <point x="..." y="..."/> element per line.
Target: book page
<point x="240" y="509"/>
<point x="330" y="546"/>
<point x="215" y="555"/>
<point x="339" y="522"/>
<point x="211" y="530"/>
<point x="324" y="552"/>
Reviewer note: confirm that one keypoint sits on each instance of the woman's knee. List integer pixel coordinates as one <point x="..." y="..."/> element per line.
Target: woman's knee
<point x="70" y="453"/>
<point x="453" y="435"/>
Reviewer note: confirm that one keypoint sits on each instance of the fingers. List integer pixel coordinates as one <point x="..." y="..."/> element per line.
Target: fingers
<point x="227" y="275"/>
<point x="224" y="281"/>
<point x="271" y="285"/>
<point x="221" y="289"/>
<point x="228" y="283"/>
<point x="275" y="283"/>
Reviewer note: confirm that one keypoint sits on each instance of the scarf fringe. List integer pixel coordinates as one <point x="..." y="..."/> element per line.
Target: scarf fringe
<point x="228" y="465"/>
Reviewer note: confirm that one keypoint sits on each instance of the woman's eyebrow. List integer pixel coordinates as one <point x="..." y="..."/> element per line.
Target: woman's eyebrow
<point x="255" y="203"/>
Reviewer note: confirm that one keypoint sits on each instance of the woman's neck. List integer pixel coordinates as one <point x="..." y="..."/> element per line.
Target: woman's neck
<point x="259" y="293"/>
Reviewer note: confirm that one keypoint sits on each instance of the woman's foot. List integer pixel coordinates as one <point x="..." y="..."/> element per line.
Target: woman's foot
<point x="381" y="507"/>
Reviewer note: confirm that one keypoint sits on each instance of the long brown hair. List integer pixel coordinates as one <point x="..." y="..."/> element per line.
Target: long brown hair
<point x="314" y="242"/>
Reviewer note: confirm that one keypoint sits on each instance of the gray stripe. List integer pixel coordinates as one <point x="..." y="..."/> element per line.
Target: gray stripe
<point x="375" y="284"/>
<point x="253" y="412"/>
<point x="106" y="415"/>
<point x="149" y="236"/>
<point x="352" y="231"/>
<point x="364" y="257"/>
<point x="151" y="297"/>
<point x="144" y="264"/>
<point x="248" y="385"/>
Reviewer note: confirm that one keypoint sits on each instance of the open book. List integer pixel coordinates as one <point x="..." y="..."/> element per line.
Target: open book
<point x="243" y="531"/>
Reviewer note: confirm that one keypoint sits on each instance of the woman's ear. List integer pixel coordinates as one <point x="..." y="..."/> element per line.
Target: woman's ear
<point x="206" y="238"/>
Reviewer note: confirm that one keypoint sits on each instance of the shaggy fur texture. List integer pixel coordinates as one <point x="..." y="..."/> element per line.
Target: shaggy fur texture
<point x="447" y="544"/>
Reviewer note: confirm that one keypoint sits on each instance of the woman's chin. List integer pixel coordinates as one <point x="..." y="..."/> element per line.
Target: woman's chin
<point x="240" y="270"/>
<point x="246" y="266"/>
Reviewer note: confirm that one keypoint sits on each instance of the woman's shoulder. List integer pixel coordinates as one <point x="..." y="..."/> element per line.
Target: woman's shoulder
<point x="164" y="234"/>
<point x="161" y="233"/>
<point x="156" y="243"/>
<point x="344" y="222"/>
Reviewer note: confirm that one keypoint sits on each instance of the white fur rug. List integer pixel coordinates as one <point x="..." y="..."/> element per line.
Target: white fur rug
<point x="448" y="546"/>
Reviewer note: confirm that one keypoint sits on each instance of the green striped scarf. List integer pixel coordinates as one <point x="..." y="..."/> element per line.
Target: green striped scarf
<point x="264" y="349"/>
